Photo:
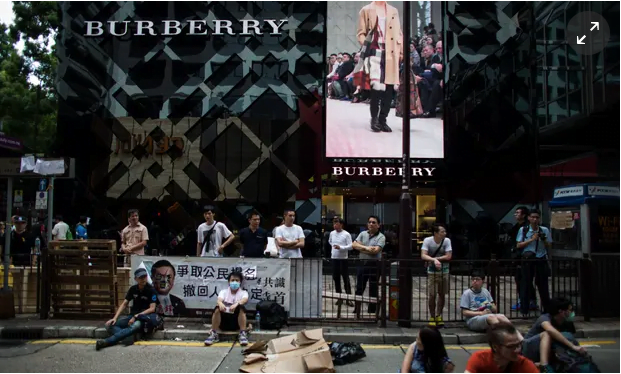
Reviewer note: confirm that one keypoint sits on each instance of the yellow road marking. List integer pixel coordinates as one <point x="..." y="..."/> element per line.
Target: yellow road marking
<point x="230" y="344"/>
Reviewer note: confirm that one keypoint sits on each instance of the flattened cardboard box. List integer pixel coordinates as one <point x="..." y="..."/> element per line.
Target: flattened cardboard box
<point x="304" y="352"/>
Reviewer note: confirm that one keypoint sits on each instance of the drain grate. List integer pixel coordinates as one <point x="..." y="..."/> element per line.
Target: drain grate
<point x="22" y="334"/>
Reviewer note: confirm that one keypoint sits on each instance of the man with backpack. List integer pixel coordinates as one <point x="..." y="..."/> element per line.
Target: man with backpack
<point x="538" y="342"/>
<point x="437" y="251"/>
<point x="213" y="237"/>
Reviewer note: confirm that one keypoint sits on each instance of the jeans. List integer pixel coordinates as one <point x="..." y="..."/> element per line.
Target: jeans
<point x="368" y="273"/>
<point x="121" y="330"/>
<point x="540" y="271"/>
<point x="340" y="269"/>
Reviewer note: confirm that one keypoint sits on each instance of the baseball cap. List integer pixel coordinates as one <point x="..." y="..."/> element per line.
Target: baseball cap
<point x="140" y="272"/>
<point x="20" y="219"/>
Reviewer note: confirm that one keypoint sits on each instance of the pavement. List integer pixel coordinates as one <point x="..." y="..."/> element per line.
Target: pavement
<point x="79" y="355"/>
<point x="186" y="329"/>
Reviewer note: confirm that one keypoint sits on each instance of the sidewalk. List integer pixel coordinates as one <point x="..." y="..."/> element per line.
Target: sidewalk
<point x="31" y="328"/>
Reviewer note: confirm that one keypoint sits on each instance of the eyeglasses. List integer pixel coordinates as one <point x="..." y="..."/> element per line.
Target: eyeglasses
<point x="514" y="346"/>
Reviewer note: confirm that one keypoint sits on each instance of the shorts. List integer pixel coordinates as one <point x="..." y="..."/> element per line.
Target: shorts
<point x="228" y="321"/>
<point x="479" y="323"/>
<point x="530" y="348"/>
<point x="437" y="284"/>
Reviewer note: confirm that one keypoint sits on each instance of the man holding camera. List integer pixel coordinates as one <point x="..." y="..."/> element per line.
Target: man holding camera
<point x="534" y="241"/>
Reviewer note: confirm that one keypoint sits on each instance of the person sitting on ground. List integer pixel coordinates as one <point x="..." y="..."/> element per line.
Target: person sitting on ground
<point x="144" y="301"/>
<point x="545" y="331"/>
<point x="504" y="355"/>
<point x="477" y="305"/>
<point x="427" y="354"/>
<point x="230" y="314"/>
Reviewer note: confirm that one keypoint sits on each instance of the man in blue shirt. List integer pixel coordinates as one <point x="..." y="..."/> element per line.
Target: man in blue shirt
<point x="534" y="241"/>
<point x="80" y="229"/>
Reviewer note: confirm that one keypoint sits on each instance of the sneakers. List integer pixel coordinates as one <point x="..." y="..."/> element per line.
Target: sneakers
<point x="213" y="338"/>
<point x="439" y="321"/>
<point x="243" y="338"/>
<point x="515" y="306"/>
<point x="533" y="306"/>
<point x="432" y="321"/>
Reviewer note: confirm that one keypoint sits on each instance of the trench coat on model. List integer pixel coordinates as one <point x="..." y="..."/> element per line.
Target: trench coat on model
<point x="367" y="18"/>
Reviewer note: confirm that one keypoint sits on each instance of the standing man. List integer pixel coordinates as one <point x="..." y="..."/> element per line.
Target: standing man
<point x="134" y="237"/>
<point x="521" y="215"/>
<point x="253" y="237"/>
<point x="21" y="243"/>
<point x="213" y="236"/>
<point x="340" y="241"/>
<point x="60" y="230"/>
<point x="370" y="243"/>
<point x="534" y="241"/>
<point x="438" y="252"/>
<point x="143" y="299"/>
<point x="289" y="237"/>
<point x="80" y="229"/>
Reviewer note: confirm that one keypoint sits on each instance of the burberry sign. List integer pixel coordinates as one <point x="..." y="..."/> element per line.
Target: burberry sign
<point x="378" y="171"/>
<point x="194" y="27"/>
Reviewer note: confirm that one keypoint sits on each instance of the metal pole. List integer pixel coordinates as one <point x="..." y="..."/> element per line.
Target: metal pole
<point x="405" y="211"/>
<point x="7" y="232"/>
<point x="50" y="211"/>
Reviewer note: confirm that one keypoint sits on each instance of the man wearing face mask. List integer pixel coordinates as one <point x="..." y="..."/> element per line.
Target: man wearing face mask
<point x="163" y="276"/>
<point x="504" y="355"/>
<point x="230" y="314"/>
<point x="545" y="331"/>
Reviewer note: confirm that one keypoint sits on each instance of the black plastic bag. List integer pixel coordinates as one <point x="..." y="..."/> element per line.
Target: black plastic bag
<point x="346" y="353"/>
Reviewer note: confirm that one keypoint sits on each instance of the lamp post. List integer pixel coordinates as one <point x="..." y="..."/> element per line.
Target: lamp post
<point x="405" y="200"/>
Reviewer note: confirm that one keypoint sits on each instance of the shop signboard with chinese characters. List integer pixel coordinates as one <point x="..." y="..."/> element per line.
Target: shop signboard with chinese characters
<point x="196" y="282"/>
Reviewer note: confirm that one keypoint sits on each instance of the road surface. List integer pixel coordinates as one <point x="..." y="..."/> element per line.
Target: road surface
<point x="76" y="355"/>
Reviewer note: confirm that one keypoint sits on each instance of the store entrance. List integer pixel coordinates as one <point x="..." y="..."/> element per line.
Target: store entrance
<point x="356" y="203"/>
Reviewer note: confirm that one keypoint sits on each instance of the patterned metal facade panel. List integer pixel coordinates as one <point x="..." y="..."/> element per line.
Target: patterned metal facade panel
<point x="193" y="119"/>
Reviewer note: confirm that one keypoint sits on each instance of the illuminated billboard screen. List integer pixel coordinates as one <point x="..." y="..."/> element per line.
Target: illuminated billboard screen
<point x="364" y="83"/>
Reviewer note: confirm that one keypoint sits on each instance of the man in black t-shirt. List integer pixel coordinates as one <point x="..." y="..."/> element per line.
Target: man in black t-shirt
<point x="144" y="301"/>
<point x="253" y="237"/>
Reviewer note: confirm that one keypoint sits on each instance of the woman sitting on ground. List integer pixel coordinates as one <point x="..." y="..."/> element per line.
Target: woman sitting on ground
<point x="427" y="354"/>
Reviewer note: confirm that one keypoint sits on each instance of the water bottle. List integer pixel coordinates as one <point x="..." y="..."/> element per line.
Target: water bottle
<point x="258" y="321"/>
<point x="37" y="246"/>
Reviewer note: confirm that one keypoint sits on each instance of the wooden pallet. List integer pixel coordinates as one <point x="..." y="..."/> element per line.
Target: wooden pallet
<point x="82" y="278"/>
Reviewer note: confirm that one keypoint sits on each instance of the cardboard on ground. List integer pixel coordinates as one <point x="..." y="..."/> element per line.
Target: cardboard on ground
<point x="304" y="352"/>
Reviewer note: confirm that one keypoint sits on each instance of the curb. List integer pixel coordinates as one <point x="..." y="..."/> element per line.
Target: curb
<point x="89" y="332"/>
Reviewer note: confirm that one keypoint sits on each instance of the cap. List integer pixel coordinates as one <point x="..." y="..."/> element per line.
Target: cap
<point x="140" y="272"/>
<point x="20" y="219"/>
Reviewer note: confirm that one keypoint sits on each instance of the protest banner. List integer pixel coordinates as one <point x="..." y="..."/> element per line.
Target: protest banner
<point x="189" y="286"/>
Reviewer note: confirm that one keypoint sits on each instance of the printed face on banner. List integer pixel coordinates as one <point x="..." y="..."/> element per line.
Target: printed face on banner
<point x="197" y="282"/>
<point x="365" y="84"/>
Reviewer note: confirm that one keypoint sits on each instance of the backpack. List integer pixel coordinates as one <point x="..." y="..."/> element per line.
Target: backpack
<point x="273" y="315"/>
<point x="568" y="361"/>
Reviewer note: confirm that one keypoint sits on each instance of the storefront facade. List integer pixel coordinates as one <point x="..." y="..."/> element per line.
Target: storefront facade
<point x="171" y="106"/>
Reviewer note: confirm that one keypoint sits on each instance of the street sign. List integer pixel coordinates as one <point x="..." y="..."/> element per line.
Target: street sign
<point x="41" y="202"/>
<point x="43" y="184"/>
<point x="18" y="198"/>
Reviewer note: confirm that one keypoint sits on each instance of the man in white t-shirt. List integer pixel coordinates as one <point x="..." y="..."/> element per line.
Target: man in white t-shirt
<point x="60" y="229"/>
<point x="230" y="313"/>
<point x="213" y="236"/>
<point x="438" y="252"/>
<point x="289" y="237"/>
<point x="341" y="243"/>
